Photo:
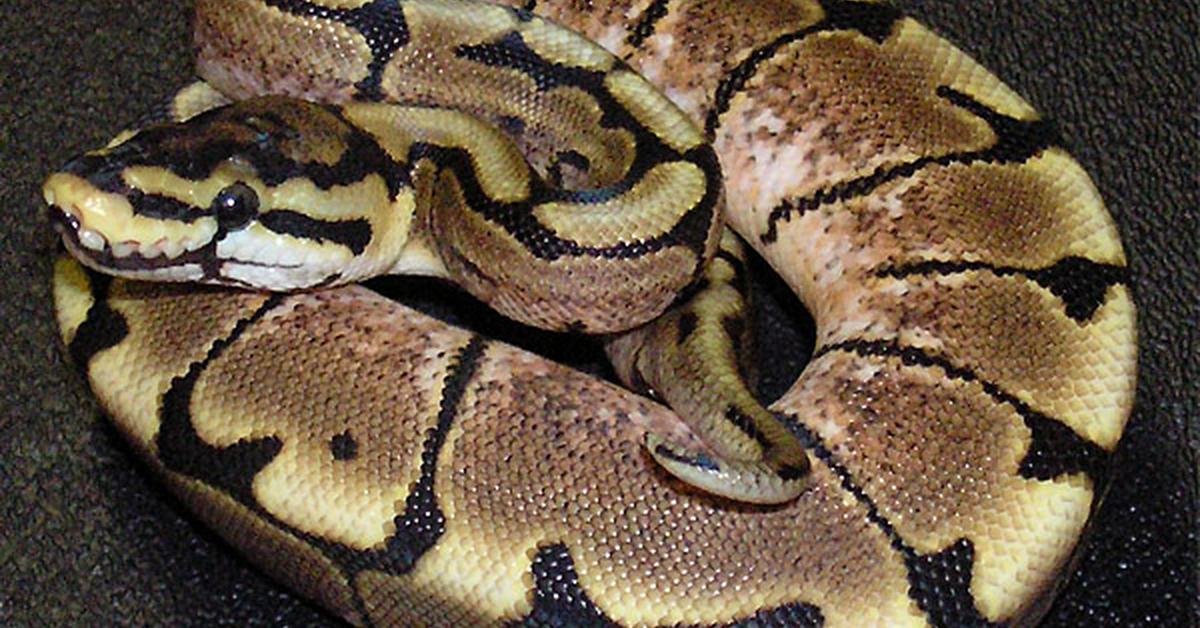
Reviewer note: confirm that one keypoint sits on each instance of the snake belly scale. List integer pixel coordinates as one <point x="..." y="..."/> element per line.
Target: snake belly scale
<point x="975" y="333"/>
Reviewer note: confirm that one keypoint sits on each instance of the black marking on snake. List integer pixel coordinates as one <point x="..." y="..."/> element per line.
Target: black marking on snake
<point x="734" y="327"/>
<point x="163" y="207"/>
<point x="684" y="298"/>
<point x="939" y="583"/>
<point x="523" y="14"/>
<point x="646" y="23"/>
<point x="519" y="221"/>
<point x="686" y="326"/>
<point x="738" y="266"/>
<point x="1054" y="451"/>
<point x="381" y="23"/>
<point x="744" y="423"/>
<point x="512" y="125"/>
<point x="354" y="234"/>
<point x="193" y="150"/>
<point x="558" y="600"/>
<point x="102" y="328"/>
<point x="511" y="51"/>
<point x="788" y="472"/>
<point x="1016" y="141"/>
<point x="874" y="21"/>
<point x="343" y="446"/>
<point x="1078" y="282"/>
<point x="572" y="158"/>
<point x="795" y="615"/>
<point x="104" y="172"/>
<point x="182" y="450"/>
<point x="699" y="461"/>
<point x="423" y="523"/>
<point x="639" y="384"/>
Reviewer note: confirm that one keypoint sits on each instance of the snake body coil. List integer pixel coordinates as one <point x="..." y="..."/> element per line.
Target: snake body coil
<point x="975" y="334"/>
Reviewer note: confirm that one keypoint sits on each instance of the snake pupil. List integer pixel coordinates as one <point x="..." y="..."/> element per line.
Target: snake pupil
<point x="235" y="205"/>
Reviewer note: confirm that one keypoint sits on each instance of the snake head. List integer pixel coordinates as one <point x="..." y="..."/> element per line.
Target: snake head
<point x="270" y="193"/>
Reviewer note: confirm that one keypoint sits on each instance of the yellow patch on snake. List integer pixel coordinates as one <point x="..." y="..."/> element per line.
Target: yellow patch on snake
<point x="659" y="115"/>
<point x="1012" y="565"/>
<point x="338" y="202"/>
<point x="948" y="66"/>
<point x="564" y="47"/>
<point x="459" y="22"/>
<point x="120" y="138"/>
<point x="72" y="297"/>
<point x="393" y="242"/>
<point x="495" y="160"/>
<point x="1090" y="229"/>
<point x="276" y="551"/>
<point x="323" y="511"/>
<point x="499" y="592"/>
<point x="664" y="195"/>
<point x="1099" y="404"/>
<point x="159" y="359"/>
<point x="200" y="194"/>
<point x="381" y="122"/>
<point x="196" y="99"/>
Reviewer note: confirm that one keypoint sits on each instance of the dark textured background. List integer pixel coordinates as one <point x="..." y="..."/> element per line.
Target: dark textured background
<point x="87" y="538"/>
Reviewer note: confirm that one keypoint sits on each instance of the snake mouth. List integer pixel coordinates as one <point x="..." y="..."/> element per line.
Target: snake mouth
<point x="139" y="260"/>
<point x="66" y="195"/>
<point x="105" y="222"/>
<point x="199" y="265"/>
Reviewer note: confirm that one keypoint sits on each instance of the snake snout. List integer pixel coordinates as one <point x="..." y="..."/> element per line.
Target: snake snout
<point x="65" y="193"/>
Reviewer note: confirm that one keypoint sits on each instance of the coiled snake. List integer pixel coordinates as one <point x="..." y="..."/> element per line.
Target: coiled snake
<point x="936" y="462"/>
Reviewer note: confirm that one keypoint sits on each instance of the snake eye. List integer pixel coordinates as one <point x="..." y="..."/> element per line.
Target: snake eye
<point x="235" y="205"/>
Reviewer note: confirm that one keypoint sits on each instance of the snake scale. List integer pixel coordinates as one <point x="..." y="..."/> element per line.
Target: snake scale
<point x="936" y="463"/>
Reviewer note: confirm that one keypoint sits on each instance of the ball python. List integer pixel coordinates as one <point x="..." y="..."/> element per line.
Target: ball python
<point x="975" y="331"/>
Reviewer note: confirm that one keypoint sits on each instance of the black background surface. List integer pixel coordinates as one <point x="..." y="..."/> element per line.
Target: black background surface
<point x="87" y="538"/>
